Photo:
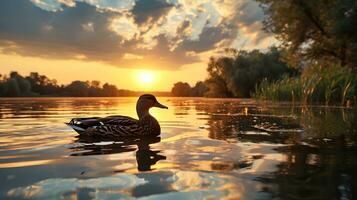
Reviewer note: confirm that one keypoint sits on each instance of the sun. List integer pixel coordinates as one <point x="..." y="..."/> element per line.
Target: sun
<point x="146" y="77"/>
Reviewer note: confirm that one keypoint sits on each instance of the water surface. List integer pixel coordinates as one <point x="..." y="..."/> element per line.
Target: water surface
<point x="208" y="149"/>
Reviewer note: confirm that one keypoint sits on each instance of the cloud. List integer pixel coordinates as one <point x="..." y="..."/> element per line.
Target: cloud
<point x="156" y="34"/>
<point x="55" y="5"/>
<point x="62" y="34"/>
<point x="150" y="11"/>
<point x="209" y="38"/>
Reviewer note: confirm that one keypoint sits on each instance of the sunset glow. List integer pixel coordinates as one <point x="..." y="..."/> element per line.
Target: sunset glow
<point x="146" y="80"/>
<point x="146" y="77"/>
<point x="144" y="38"/>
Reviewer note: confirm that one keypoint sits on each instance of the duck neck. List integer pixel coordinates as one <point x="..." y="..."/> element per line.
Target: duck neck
<point x="142" y="111"/>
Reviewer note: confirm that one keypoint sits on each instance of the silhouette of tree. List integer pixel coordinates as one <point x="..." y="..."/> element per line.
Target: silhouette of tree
<point x="35" y="84"/>
<point x="199" y="90"/>
<point x="181" y="89"/>
<point x="78" y="88"/>
<point x="94" y="89"/>
<point x="110" y="90"/>
<point x="12" y="88"/>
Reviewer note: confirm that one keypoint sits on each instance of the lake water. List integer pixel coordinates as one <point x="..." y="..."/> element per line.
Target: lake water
<point x="208" y="149"/>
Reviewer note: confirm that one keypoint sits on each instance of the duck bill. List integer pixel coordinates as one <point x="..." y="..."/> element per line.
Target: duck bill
<point x="159" y="105"/>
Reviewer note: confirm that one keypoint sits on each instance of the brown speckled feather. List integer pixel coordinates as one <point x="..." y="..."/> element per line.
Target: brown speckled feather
<point x="117" y="126"/>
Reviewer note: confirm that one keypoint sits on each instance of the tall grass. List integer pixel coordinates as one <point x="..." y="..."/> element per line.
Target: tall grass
<point x="329" y="85"/>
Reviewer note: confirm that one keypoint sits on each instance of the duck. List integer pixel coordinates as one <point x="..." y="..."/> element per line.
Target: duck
<point x="122" y="126"/>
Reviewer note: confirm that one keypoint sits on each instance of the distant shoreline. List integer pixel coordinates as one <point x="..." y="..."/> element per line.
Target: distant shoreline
<point x="134" y="94"/>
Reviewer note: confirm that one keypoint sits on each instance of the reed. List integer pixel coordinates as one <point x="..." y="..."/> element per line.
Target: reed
<point x="316" y="84"/>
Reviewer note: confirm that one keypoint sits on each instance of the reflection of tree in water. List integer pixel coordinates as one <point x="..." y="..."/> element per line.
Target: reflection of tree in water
<point x="328" y="121"/>
<point x="285" y="124"/>
<point x="28" y="106"/>
<point x="247" y="123"/>
<point x="324" y="168"/>
<point x="314" y="173"/>
<point x="42" y="107"/>
<point x="145" y="157"/>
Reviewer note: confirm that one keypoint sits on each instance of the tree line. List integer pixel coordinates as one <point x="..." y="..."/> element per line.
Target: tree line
<point x="236" y="73"/>
<point x="35" y="84"/>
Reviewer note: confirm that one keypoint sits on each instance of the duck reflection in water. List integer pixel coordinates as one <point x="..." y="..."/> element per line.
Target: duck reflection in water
<point x="145" y="157"/>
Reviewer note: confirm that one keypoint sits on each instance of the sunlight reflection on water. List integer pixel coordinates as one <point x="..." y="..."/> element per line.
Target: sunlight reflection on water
<point x="209" y="148"/>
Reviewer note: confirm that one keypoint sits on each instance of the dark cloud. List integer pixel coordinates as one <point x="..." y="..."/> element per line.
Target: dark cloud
<point x="74" y="32"/>
<point x="150" y="11"/>
<point x="209" y="37"/>
<point x="249" y="13"/>
<point x="21" y="19"/>
<point x="60" y="34"/>
<point x="162" y="57"/>
<point x="83" y="31"/>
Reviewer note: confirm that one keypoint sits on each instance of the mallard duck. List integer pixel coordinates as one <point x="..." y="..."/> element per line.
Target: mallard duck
<point x="121" y="126"/>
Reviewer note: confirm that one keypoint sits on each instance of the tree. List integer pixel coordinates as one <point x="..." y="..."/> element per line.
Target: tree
<point x="77" y="88"/>
<point x="318" y="30"/>
<point x="12" y="88"/>
<point x="110" y="90"/>
<point x="218" y="69"/>
<point x="181" y="89"/>
<point x="199" y="90"/>
<point x="94" y="89"/>
<point x="236" y="75"/>
<point x="41" y="84"/>
<point x="16" y="85"/>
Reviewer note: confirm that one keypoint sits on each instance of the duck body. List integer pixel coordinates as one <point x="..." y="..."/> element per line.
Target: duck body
<point x="121" y="126"/>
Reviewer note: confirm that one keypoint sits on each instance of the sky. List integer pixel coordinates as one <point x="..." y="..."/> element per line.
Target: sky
<point x="134" y="44"/>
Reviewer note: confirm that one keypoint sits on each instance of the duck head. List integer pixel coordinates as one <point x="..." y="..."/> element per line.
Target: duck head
<point x="145" y="102"/>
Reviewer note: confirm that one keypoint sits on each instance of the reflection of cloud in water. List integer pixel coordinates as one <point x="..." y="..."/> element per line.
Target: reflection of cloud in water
<point x="203" y="194"/>
<point x="50" y="188"/>
<point x="178" y="184"/>
<point x="264" y="155"/>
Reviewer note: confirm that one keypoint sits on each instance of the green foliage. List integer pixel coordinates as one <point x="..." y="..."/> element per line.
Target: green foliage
<point x="237" y="74"/>
<point x="334" y="84"/>
<point x="285" y="89"/>
<point x="322" y="31"/>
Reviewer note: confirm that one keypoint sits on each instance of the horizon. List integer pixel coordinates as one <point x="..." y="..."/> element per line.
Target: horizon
<point x="66" y="84"/>
<point x="117" y="42"/>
